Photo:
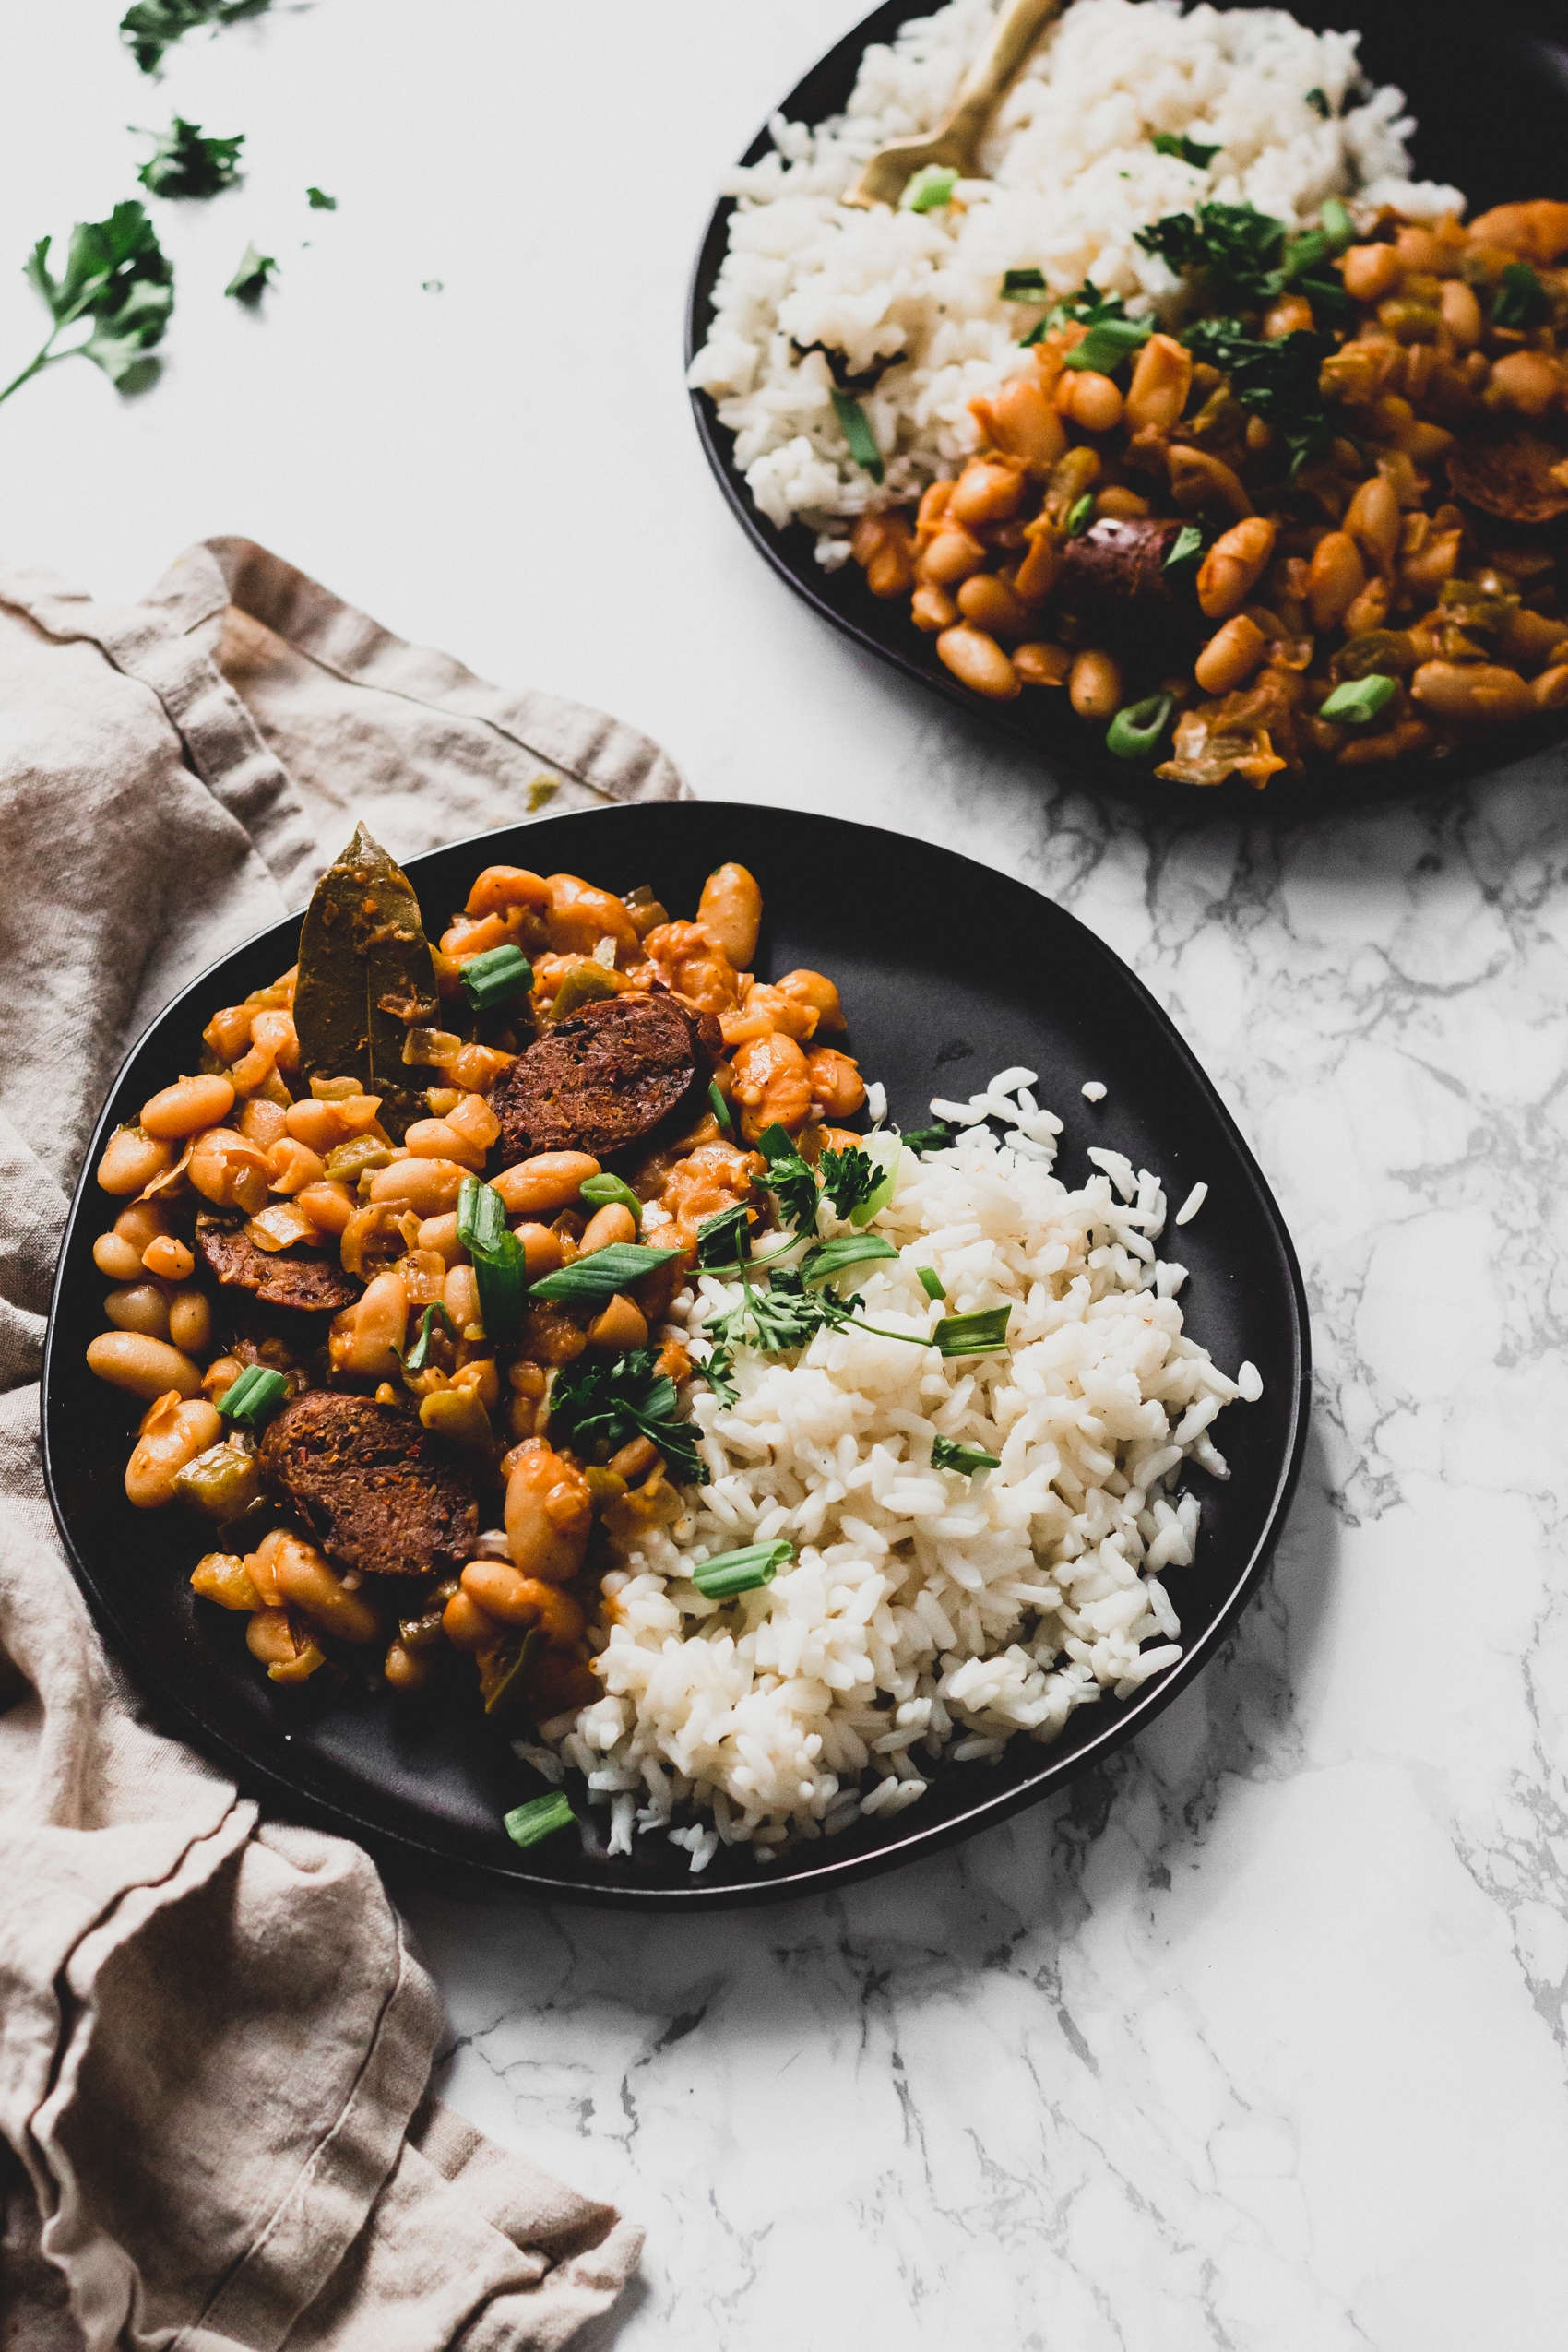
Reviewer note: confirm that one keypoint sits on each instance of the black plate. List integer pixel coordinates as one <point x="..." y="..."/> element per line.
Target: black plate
<point x="1491" y="108"/>
<point x="948" y="973"/>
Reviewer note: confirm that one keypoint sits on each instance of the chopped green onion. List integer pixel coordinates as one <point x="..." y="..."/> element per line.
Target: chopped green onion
<point x="1188" y="542"/>
<point x="947" y="1455"/>
<point x="502" y="1274"/>
<point x="931" y="1282"/>
<point x="724" y="1237"/>
<point x="1520" y="298"/>
<point x="1109" y="342"/>
<point x="601" y="1272"/>
<point x="741" y="1571"/>
<point x="1078" y="515"/>
<point x="929" y="190"/>
<point x="1137" y="730"/>
<point x="1185" y="151"/>
<point x="851" y="1249"/>
<point x="858" y="433"/>
<point x="1337" y="225"/>
<point x="418" y="1356"/>
<point x="720" y="1107"/>
<point x="1302" y="254"/>
<point x="540" y="1818"/>
<point x="885" y="1147"/>
<point x="1359" y="699"/>
<point x="603" y="1192"/>
<point x="1024" y="286"/>
<point x="1318" y="101"/>
<point x="254" y="1396"/>
<point x="481" y="1216"/>
<point x="495" y="978"/>
<point x="982" y="1334"/>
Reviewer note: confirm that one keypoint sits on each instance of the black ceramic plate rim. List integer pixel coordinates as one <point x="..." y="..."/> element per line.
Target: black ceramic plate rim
<point x="1092" y="769"/>
<point x="1131" y="1716"/>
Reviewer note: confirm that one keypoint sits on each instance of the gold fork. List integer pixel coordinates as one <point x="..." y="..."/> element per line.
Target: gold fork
<point x="954" y="142"/>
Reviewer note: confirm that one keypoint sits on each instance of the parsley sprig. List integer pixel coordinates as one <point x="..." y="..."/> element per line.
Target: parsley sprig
<point x="184" y="163"/>
<point x="610" y="1401"/>
<point x="118" y="279"/>
<point x="151" y="27"/>
<point x="1278" y="381"/>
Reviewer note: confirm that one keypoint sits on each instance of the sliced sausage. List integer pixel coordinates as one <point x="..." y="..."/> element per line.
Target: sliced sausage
<point x="1513" y="477"/>
<point x="298" y="1278"/>
<point x="604" y="1077"/>
<point x="1117" y="568"/>
<point x="378" y="1491"/>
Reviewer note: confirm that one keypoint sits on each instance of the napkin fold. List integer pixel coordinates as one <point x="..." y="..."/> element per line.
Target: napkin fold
<point x="215" y="2042"/>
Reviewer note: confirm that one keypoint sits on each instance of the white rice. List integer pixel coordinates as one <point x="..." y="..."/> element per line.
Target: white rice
<point x="1071" y="174"/>
<point x="926" y="1615"/>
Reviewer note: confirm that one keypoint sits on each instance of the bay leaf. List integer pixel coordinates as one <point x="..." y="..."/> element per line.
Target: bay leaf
<point x="365" y="979"/>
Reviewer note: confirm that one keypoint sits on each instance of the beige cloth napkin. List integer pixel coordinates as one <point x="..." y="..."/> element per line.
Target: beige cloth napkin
<point x="215" y="2043"/>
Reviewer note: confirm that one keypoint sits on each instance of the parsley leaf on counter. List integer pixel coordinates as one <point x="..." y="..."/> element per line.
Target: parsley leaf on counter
<point x="252" y="278"/>
<point x="1278" y="381"/>
<point x="319" y="201"/>
<point x="608" y="1403"/>
<point x="118" y="277"/>
<point x="183" y="163"/>
<point x="151" y="27"/>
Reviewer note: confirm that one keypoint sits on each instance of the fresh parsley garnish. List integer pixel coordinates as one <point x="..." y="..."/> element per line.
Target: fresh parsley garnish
<point x="151" y="27"/>
<point x="184" y="163"/>
<point x="1234" y="248"/>
<point x="252" y="278"/>
<point x="1185" y="151"/>
<point x="1521" y="298"/>
<point x="935" y="1138"/>
<point x="724" y="1238"/>
<point x="790" y="1179"/>
<point x="319" y="201"/>
<point x="1318" y="101"/>
<point x="1278" y="381"/>
<point x="116" y="276"/>
<point x="1187" y="543"/>
<point x="597" y="1402"/>
<point x="848" y="1178"/>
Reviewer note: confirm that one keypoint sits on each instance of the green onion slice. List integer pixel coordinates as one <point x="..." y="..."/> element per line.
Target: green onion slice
<point x="540" y="1818"/>
<point x="852" y="1249"/>
<point x="885" y="1147"/>
<point x="1136" y="732"/>
<point x="418" y="1356"/>
<point x="946" y="1454"/>
<point x="720" y="1107"/>
<point x="982" y="1334"/>
<point x="1107" y="344"/>
<point x="496" y="977"/>
<point x="1337" y="225"/>
<point x="601" y="1274"/>
<point x="1185" y="151"/>
<point x="858" y="433"/>
<point x="482" y="1217"/>
<point x="929" y="190"/>
<point x="1359" y="699"/>
<point x="1188" y="542"/>
<point x="741" y="1571"/>
<point x="257" y="1394"/>
<point x="1024" y="286"/>
<point x="502" y="1274"/>
<point x="931" y="1282"/>
<point x="1078" y="515"/>
<point x="603" y="1192"/>
<point x="724" y="1237"/>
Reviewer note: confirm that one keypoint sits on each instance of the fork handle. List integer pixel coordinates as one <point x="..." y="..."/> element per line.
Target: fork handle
<point x="1018" y="26"/>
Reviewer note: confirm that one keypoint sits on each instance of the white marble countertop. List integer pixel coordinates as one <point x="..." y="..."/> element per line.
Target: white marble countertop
<point x="1255" y="2040"/>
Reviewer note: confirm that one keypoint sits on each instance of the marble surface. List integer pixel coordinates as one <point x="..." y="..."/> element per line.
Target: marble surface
<point x="1255" y="2040"/>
